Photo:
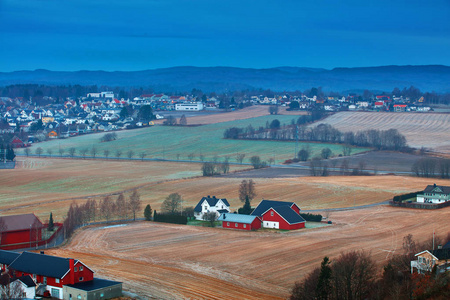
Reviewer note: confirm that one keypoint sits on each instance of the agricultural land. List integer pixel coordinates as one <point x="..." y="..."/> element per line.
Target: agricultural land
<point x="165" y="261"/>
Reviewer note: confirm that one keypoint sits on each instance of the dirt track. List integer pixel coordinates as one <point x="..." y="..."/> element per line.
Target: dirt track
<point x="170" y="261"/>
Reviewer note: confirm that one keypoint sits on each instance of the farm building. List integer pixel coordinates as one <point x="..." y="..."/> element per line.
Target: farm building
<point x="279" y="215"/>
<point x="238" y="221"/>
<point x="211" y="204"/>
<point x="62" y="278"/>
<point x="21" y="230"/>
<point x="17" y="143"/>
<point x="434" y="194"/>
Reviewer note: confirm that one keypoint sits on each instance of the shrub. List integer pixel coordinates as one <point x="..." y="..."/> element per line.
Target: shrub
<point x="170" y="218"/>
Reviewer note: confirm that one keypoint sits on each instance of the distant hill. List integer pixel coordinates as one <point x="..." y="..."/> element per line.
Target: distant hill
<point x="219" y="79"/>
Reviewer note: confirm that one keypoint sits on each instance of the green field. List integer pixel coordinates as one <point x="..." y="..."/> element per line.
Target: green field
<point x="169" y="142"/>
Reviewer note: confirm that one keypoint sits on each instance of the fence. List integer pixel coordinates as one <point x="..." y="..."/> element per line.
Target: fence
<point x="51" y="241"/>
<point x="420" y="205"/>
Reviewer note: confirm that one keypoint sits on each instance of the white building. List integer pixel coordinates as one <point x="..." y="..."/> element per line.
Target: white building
<point x="211" y="204"/>
<point x="194" y="106"/>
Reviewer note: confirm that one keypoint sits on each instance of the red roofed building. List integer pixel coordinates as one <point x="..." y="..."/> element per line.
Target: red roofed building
<point x="400" y="107"/>
<point x="21" y="230"/>
<point x="17" y="143"/>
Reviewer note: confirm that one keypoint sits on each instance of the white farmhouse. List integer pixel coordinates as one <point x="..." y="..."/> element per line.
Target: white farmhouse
<point x="434" y="194"/>
<point x="211" y="204"/>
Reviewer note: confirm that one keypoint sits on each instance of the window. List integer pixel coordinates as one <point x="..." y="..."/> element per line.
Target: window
<point x="34" y="277"/>
<point x="79" y="296"/>
<point x="228" y="223"/>
<point x="271" y="213"/>
<point x="57" y="280"/>
<point x="236" y="224"/>
<point x="80" y="279"/>
<point x="44" y="280"/>
<point x="81" y="268"/>
<point x="245" y="225"/>
<point x="75" y="269"/>
<point x="55" y="293"/>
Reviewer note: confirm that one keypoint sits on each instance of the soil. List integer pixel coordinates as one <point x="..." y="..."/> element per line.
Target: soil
<point x="180" y="262"/>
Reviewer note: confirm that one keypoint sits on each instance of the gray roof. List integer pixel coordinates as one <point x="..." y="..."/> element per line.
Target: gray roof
<point x="42" y="264"/>
<point x="20" y="222"/>
<point x="238" y="218"/>
<point x="265" y="205"/>
<point x="287" y="213"/>
<point x="95" y="284"/>
<point x="7" y="257"/>
<point x="438" y="189"/>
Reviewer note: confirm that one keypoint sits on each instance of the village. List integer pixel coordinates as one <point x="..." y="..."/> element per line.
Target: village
<point x="103" y="111"/>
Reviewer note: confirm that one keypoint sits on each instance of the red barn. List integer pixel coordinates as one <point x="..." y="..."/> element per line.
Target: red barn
<point x="279" y="215"/>
<point x="17" y="143"/>
<point x="238" y="221"/>
<point x="20" y="229"/>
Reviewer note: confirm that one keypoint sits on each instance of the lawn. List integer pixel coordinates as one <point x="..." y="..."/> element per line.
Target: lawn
<point x="179" y="142"/>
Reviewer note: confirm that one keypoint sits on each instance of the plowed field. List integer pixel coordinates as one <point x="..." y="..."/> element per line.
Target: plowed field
<point x="430" y="130"/>
<point x="185" y="262"/>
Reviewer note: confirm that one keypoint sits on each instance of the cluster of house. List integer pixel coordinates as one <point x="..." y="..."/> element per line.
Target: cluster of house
<point x="268" y="214"/>
<point x="29" y="274"/>
<point x="351" y="102"/>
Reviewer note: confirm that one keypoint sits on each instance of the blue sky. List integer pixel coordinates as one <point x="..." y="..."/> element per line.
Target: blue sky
<point x="129" y="35"/>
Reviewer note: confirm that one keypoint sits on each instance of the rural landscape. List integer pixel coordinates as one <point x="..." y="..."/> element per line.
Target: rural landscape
<point x="224" y="150"/>
<point x="356" y="205"/>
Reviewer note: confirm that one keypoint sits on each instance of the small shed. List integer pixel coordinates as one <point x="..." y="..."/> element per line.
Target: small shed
<point x="238" y="221"/>
<point x="93" y="290"/>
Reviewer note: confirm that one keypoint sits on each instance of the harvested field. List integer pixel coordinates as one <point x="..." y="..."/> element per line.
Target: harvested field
<point x="246" y="113"/>
<point x="430" y="130"/>
<point x="44" y="185"/>
<point x="227" y="264"/>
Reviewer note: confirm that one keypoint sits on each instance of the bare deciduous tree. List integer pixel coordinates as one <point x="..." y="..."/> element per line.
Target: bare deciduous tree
<point x="172" y="204"/>
<point x="247" y="189"/>
<point x="135" y="203"/>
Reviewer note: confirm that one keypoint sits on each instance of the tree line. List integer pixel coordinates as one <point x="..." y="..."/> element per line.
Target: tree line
<point x="354" y="275"/>
<point x="389" y="139"/>
<point x="431" y="167"/>
<point x="106" y="209"/>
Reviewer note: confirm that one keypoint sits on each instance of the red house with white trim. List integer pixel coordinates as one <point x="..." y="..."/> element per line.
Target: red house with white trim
<point x="239" y="221"/>
<point x="59" y="276"/>
<point x="279" y="215"/>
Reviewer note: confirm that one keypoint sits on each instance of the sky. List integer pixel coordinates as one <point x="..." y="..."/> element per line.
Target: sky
<point x="131" y="35"/>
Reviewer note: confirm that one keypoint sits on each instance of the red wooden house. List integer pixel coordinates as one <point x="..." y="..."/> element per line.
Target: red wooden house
<point x="279" y="215"/>
<point x="238" y="221"/>
<point x="17" y="143"/>
<point x="21" y="230"/>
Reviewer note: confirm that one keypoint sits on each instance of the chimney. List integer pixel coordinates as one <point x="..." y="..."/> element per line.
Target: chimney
<point x="439" y="246"/>
<point x="72" y="272"/>
<point x="224" y="216"/>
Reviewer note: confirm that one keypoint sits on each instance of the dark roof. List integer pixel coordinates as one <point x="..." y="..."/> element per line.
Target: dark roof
<point x="94" y="284"/>
<point x="27" y="280"/>
<point x="7" y="257"/>
<point x="265" y="205"/>
<point x="20" y="222"/>
<point x="42" y="264"/>
<point x="441" y="254"/>
<point x="222" y="211"/>
<point x="446" y="246"/>
<point x="212" y="201"/>
<point x="287" y="213"/>
<point x="435" y="189"/>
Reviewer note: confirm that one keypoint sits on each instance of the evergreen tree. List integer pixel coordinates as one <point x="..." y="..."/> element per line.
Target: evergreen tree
<point x="246" y="209"/>
<point x="51" y="225"/>
<point x="148" y="213"/>
<point x="323" y="289"/>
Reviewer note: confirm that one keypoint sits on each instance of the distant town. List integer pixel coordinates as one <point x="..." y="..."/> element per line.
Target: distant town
<point x="40" y="117"/>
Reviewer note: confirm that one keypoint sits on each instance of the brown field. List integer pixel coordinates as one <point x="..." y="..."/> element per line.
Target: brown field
<point x="44" y="185"/>
<point x="186" y="262"/>
<point x="246" y="113"/>
<point x="430" y="130"/>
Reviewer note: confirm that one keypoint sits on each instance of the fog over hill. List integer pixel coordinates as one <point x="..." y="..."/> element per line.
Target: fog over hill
<point x="220" y="79"/>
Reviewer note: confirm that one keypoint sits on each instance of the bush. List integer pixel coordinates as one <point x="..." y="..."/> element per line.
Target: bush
<point x="311" y="217"/>
<point x="108" y="137"/>
<point x="169" y="218"/>
<point x="399" y="198"/>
